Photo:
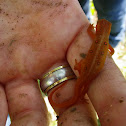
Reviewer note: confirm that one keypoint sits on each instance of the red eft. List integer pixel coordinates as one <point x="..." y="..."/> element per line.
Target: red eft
<point x="91" y="65"/>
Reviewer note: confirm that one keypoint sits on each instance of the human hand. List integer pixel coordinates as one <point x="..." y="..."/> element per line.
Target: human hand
<point x="34" y="35"/>
<point x="106" y="92"/>
<point x="28" y="32"/>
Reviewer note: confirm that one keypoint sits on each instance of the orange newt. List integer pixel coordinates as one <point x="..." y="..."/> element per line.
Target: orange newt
<point x="91" y="65"/>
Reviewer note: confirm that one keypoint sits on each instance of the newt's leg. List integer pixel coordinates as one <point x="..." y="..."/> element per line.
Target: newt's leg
<point x="91" y="31"/>
<point x="111" y="50"/>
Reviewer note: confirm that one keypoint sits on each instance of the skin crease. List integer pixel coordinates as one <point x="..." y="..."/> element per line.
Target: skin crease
<point x="35" y="35"/>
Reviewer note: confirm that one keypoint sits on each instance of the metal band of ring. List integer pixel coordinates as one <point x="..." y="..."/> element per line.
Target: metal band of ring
<point x="50" y="72"/>
<point x="58" y="82"/>
<point x="55" y="77"/>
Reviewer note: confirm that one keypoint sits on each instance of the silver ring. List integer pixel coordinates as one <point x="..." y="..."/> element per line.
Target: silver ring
<point x="56" y="77"/>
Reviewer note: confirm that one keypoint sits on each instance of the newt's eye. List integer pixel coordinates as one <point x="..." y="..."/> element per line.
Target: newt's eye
<point x="105" y="43"/>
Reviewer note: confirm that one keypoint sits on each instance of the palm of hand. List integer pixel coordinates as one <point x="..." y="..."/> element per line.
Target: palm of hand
<point x="33" y="36"/>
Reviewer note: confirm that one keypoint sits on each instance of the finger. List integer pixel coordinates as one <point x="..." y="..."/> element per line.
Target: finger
<point x="76" y="114"/>
<point x="107" y="91"/>
<point x="3" y="107"/>
<point x="109" y="95"/>
<point x="26" y="105"/>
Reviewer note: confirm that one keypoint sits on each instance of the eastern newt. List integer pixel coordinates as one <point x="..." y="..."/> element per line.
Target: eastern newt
<point x="91" y="65"/>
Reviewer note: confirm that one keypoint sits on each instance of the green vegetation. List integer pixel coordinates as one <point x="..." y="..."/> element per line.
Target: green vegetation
<point x="92" y="8"/>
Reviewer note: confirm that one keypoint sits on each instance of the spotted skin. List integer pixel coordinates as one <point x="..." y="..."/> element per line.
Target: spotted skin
<point x="90" y="66"/>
